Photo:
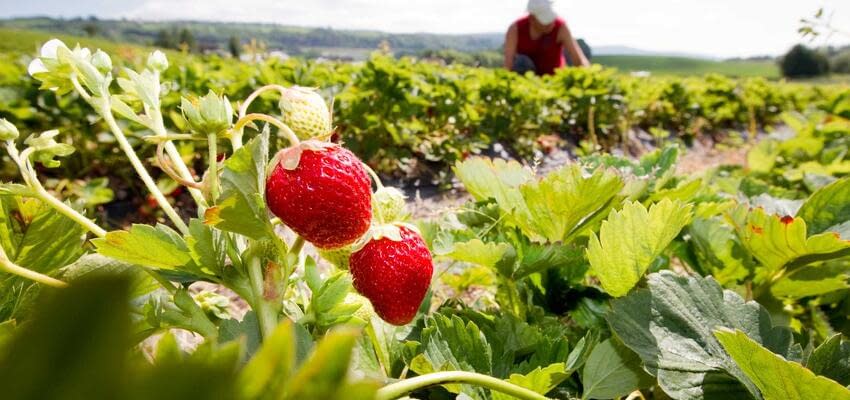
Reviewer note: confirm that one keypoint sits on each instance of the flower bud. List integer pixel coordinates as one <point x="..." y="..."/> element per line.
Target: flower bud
<point x="157" y="61"/>
<point x="213" y="304"/>
<point x="101" y="61"/>
<point x="8" y="131"/>
<point x="210" y="114"/>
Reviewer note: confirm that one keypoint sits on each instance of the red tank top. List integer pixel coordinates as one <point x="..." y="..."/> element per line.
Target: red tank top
<point x="546" y="52"/>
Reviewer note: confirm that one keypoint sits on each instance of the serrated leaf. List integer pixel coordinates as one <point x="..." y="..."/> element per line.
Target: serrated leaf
<point x="155" y="247"/>
<point x="206" y="246"/>
<point x="776" y="377"/>
<point x="775" y="241"/>
<point x="497" y="179"/>
<point x="670" y="326"/>
<point x="762" y="157"/>
<point x="718" y="250"/>
<point x="95" y="265"/>
<point x="630" y="239"/>
<point x="832" y="360"/>
<point x="42" y="240"/>
<point x="812" y="280"/>
<point x="477" y="252"/>
<point x="827" y="207"/>
<point x="557" y="204"/>
<point x="540" y="380"/>
<point x="242" y="208"/>
<point x="611" y="371"/>
<point x="14" y="189"/>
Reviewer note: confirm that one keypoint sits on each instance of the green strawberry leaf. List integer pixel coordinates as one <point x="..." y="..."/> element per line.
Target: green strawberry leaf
<point x="812" y="280"/>
<point x="557" y="204"/>
<point x="540" y="380"/>
<point x="776" y="377"/>
<point x="207" y="247"/>
<point x="828" y="207"/>
<point x="480" y="253"/>
<point x="327" y="303"/>
<point x="630" y="239"/>
<point x="157" y="247"/>
<point x="670" y="326"/>
<point x="242" y="208"/>
<point x="268" y="372"/>
<point x="497" y="179"/>
<point x="89" y="265"/>
<point x="611" y="371"/>
<point x="36" y="237"/>
<point x="777" y="242"/>
<point x="832" y="360"/>
<point x="718" y="250"/>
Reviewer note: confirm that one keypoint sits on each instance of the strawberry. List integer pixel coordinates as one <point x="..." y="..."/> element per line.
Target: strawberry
<point x="393" y="271"/>
<point x="306" y="113"/>
<point x="322" y="192"/>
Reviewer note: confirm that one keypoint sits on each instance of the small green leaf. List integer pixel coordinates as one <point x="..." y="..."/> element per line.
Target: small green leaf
<point x="832" y="360"/>
<point x="268" y="372"/>
<point x="497" y="179"/>
<point x="42" y="239"/>
<point x="612" y="370"/>
<point x="477" y="252"/>
<point x="323" y="374"/>
<point x="206" y="246"/>
<point x="155" y="247"/>
<point x="827" y="207"/>
<point x="777" y="240"/>
<point x="776" y="377"/>
<point x="540" y="380"/>
<point x="242" y="208"/>
<point x="630" y="239"/>
<point x="557" y="204"/>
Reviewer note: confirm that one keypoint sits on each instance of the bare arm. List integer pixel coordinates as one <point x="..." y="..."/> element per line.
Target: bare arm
<point x="511" y="39"/>
<point x="574" y="50"/>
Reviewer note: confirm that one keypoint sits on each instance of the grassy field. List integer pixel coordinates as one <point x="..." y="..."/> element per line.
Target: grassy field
<point x="689" y="66"/>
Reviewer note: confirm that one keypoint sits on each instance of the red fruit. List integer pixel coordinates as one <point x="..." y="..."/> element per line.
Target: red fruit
<point x="393" y="275"/>
<point x="322" y="192"/>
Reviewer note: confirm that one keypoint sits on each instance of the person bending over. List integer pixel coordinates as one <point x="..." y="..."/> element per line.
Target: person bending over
<point x="536" y="42"/>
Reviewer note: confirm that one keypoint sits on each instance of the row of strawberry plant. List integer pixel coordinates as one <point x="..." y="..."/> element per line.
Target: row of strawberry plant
<point x="407" y="118"/>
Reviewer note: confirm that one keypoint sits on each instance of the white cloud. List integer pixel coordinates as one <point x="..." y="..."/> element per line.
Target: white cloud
<point x="718" y="27"/>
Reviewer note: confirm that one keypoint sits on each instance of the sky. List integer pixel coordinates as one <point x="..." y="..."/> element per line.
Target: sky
<point x="720" y="28"/>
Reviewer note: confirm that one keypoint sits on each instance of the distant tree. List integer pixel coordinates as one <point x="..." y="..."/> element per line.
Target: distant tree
<point x="235" y="46"/>
<point x="802" y="62"/>
<point x="840" y="63"/>
<point x="91" y="28"/>
<point x="186" y="40"/>
<point x="165" y="39"/>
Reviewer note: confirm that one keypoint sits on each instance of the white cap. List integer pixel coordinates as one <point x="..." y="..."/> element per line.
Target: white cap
<point x="543" y="10"/>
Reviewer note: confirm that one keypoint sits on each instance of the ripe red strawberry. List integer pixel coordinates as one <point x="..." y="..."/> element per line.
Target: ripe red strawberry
<point x="322" y="192"/>
<point x="393" y="274"/>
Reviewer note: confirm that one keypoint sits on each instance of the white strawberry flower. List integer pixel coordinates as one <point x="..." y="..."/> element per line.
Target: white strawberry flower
<point x="51" y="48"/>
<point x="157" y="61"/>
<point x="36" y="67"/>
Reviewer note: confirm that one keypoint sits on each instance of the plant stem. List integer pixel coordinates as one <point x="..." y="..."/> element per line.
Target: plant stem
<point x="290" y="135"/>
<point x="374" y="175"/>
<point x="266" y="316"/>
<point x="401" y="388"/>
<point x="7" y="265"/>
<point x="140" y="169"/>
<point x="67" y="211"/>
<point x="213" y="170"/>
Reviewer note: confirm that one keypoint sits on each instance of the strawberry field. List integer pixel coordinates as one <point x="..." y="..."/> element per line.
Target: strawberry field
<point x="179" y="227"/>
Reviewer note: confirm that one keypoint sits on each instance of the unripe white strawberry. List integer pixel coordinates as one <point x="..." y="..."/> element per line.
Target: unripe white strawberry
<point x="306" y="113"/>
<point x="338" y="257"/>
<point x="388" y="205"/>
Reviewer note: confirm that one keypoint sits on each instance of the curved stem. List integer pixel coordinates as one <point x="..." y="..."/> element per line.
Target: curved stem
<point x="165" y="166"/>
<point x="290" y="135"/>
<point x="401" y="388"/>
<point x="83" y="93"/>
<point x="243" y="109"/>
<point x="7" y="265"/>
<point x="213" y="171"/>
<point x="374" y="175"/>
<point x="141" y="171"/>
